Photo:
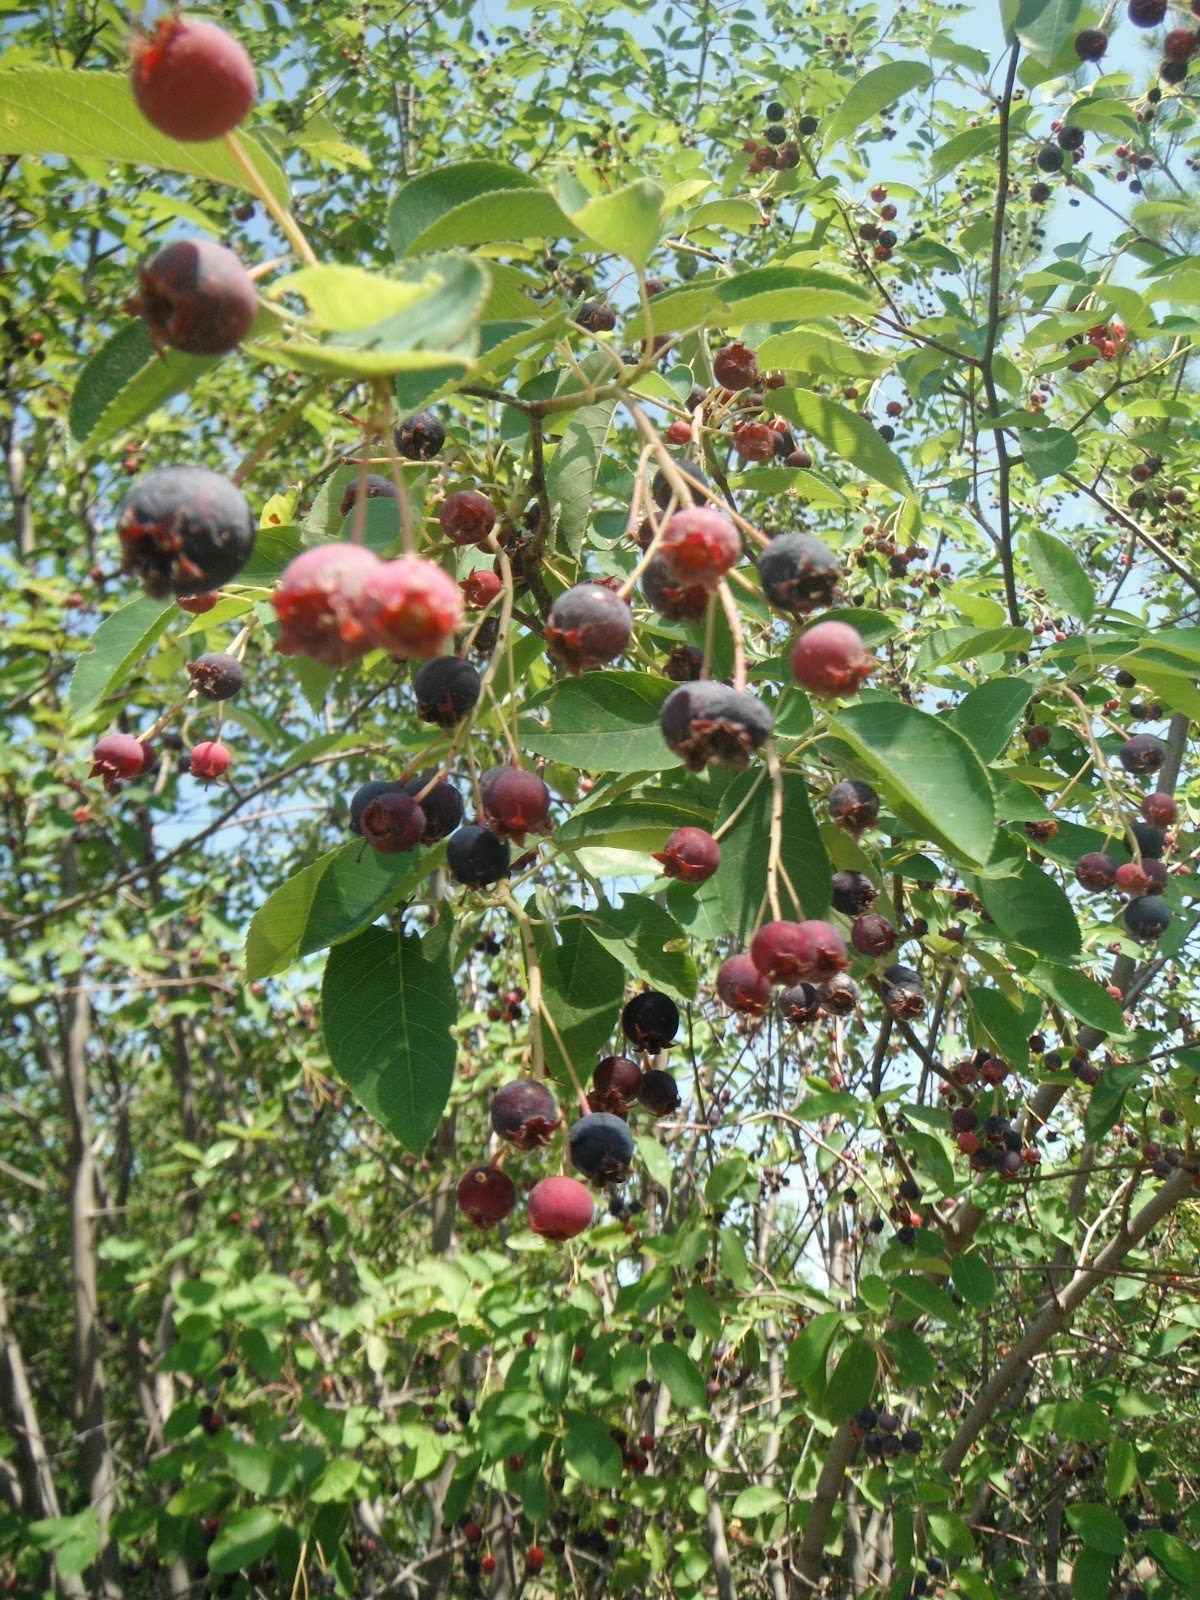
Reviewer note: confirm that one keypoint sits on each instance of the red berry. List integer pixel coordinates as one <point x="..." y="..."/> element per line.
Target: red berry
<point x="410" y="607"/>
<point x="830" y="659"/>
<point x="791" y="952"/>
<point x="487" y="1565"/>
<point x="210" y="760"/>
<point x="742" y="986"/>
<point x="472" y="1532"/>
<point x="480" y="589"/>
<point x="1160" y="809"/>
<point x="319" y="603"/>
<point x="699" y="545"/>
<point x="392" y="822"/>
<point x="535" y="1556"/>
<point x="1131" y="878"/>
<point x="879" y="192"/>
<point x="754" y="441"/>
<point x="197" y="604"/>
<point x="559" y="1208"/>
<point x="515" y="803"/>
<point x="735" y="367"/>
<point x="191" y="79"/>
<point x="486" y="1196"/>
<point x="117" y="756"/>
<point x="616" y="1078"/>
<point x="588" y="625"/>
<point x="1095" y="870"/>
<point x="679" y="432"/>
<point x="690" y="854"/>
<point x="466" y="517"/>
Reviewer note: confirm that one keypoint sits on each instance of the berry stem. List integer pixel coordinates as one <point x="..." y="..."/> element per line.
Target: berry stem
<point x="775" y="849"/>
<point x="1120" y="809"/>
<point x="710" y="629"/>
<point x="729" y="606"/>
<point x="167" y="716"/>
<point x="381" y="393"/>
<point x="282" y="216"/>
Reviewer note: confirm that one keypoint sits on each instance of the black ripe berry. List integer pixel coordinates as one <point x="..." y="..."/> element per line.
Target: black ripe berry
<point x="1147" y="918"/>
<point x="1049" y="158"/>
<point x="839" y="995"/>
<point x="852" y="893"/>
<point x="446" y="689"/>
<point x="706" y="721"/>
<point x="1141" y="754"/>
<point x="1090" y="44"/>
<point x="525" y="1113"/>
<point x="903" y="991"/>
<point x="486" y="1195"/>
<point x="853" y="805"/>
<point x="798" y="1003"/>
<point x="375" y="487"/>
<point x="601" y="1147"/>
<point x="775" y="112"/>
<point x="363" y="797"/>
<point x="184" y="530"/>
<point x="442" y="805"/>
<point x="798" y="573"/>
<point x="596" y="317"/>
<point x="658" y="1093"/>
<point x="587" y="626"/>
<point x="650" y="1021"/>
<point x="1150" y="841"/>
<point x="196" y="296"/>
<point x="1069" y="137"/>
<point x="661" y="491"/>
<point x="392" y="822"/>
<point x="215" y="676"/>
<point x="420" y="437"/>
<point x="684" y="664"/>
<point x="476" y="857"/>
<point x="1146" y="13"/>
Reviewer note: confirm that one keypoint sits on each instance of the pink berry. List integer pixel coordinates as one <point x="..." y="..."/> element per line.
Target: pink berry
<point x="117" y="756"/>
<point x="210" y="760"/>
<point x="699" y="545"/>
<point x="830" y="659"/>
<point x="515" y="803"/>
<point x="792" y="952"/>
<point x="466" y="517"/>
<point x="742" y="986"/>
<point x="410" y="607"/>
<point x="191" y="79"/>
<point x="679" y="432"/>
<point x="559" y="1208"/>
<point x="319" y="603"/>
<point x="690" y="854"/>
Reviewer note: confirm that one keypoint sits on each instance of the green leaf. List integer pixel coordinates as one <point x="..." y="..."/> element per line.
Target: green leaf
<point x="1120" y="1472"/>
<point x="517" y="213"/>
<point x="1098" y="1527"/>
<point x="331" y="899"/>
<point x="582" y="988"/>
<point x="591" y="1451"/>
<point x="791" y="294"/>
<point x="974" y="1279"/>
<point x="115" y="648"/>
<point x="422" y="202"/>
<point x="741" y="879"/>
<point x="807" y="1354"/>
<point x="387" y="1015"/>
<point x="75" y="1540"/>
<point x="1003" y="1022"/>
<point x="571" y="475"/>
<point x="846" y="434"/>
<point x="637" y="933"/>
<point x="724" y="1181"/>
<point x="1177" y="1559"/>
<point x="1032" y="910"/>
<point x="1083" y="996"/>
<point x="928" y="1296"/>
<point x="853" y="1380"/>
<point x="928" y="772"/>
<point x="871" y="92"/>
<point x="826" y="354"/>
<point x="626" y="222"/>
<point x="641" y="824"/>
<point x="1082" y="1420"/>
<point x="92" y="116"/>
<point x="758" y="1500"/>
<point x="949" y="1533"/>
<point x="683" y="1378"/>
<point x="1044" y="26"/>
<point x="963" y="147"/>
<point x="336" y="1482"/>
<point x="124" y="381"/>
<point x="1107" y="1099"/>
<point x="1047" y="451"/>
<point x="932" y="1158"/>
<point x="604" y="722"/>
<point x="243" y="1537"/>
<point x="990" y="714"/>
<point x="1058" y="570"/>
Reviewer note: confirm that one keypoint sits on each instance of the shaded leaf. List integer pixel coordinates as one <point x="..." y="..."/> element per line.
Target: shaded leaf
<point x="115" y="648"/>
<point x="852" y="1382"/>
<point x="1031" y="909"/>
<point x="243" y="1538"/>
<point x="571" y="475"/>
<point x="683" y="1378"/>
<point x="637" y="933"/>
<point x="125" y="380"/>
<point x="591" y="1451"/>
<point x="1060" y="572"/>
<point x="583" y="987"/>
<point x="846" y="434"/>
<point x="741" y="879"/>
<point x="604" y="722"/>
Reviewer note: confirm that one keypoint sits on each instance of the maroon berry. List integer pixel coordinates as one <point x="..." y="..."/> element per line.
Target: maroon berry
<point x="675" y="599"/>
<point x="839" y="995"/>
<point x="706" y="721"/>
<point x="392" y="822"/>
<point x="601" y="1147"/>
<point x="486" y="1196"/>
<point x="196" y="296"/>
<point x="735" y="367"/>
<point x="794" y="952"/>
<point x="1147" y="918"/>
<point x="699" y="545"/>
<point x="852" y="893"/>
<point x="119" y="756"/>
<point x="1180" y="44"/>
<point x="587" y="626"/>
<point x="658" y="1093"/>
<point x="442" y="805"/>
<point x="1159" y="809"/>
<point x="363" y="796"/>
<point x="1146" y="13"/>
<point x="798" y="573"/>
<point x="559" y="1208"/>
<point x="799" y="1002"/>
<point x="1141" y="754"/>
<point x="903" y="991"/>
<point x="873" y="935"/>
<point x="830" y="659"/>
<point x="319" y="603"/>
<point x="685" y="664"/>
<point x="1095" y="870"/>
<point x="184" y="530"/>
<point x="476" y="857"/>
<point x="210" y="760"/>
<point x="650" y="1020"/>
<point x="480" y="589"/>
<point x="515" y="803"/>
<point x="446" y="690"/>
<point x="596" y="318"/>
<point x="1090" y="44"/>
<point x="374" y="487"/>
<point x="616" y="1079"/>
<point x="525" y="1113"/>
<point x="466" y="517"/>
<point x="690" y="854"/>
<point x="754" y="441"/>
<point x="1038" y="736"/>
<point x="410" y="607"/>
<point x="661" y="491"/>
<point x="216" y="676"/>
<point x="191" y="79"/>
<point x="420" y="437"/>
<point x="853" y="806"/>
<point x="742" y="986"/>
<point x="197" y="604"/>
<point x="1149" y="841"/>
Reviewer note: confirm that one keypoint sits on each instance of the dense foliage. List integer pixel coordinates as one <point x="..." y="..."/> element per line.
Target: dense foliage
<point x="898" y="1294"/>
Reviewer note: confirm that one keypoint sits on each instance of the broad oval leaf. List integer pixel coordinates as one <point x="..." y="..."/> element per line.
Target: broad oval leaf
<point x="627" y="222"/>
<point x="591" y="1451"/>
<point x="846" y="434"/>
<point x="1099" y="1527"/>
<point x="115" y="648"/>
<point x="430" y="196"/>
<point x="871" y="92"/>
<point x="853" y="1380"/>
<point x="1060" y="572"/>
<point x="1031" y="909"/>
<point x="683" y="1378"/>
<point x="126" y="379"/>
<point x="243" y="1538"/>
<point x="604" y="722"/>
<point x="740" y="883"/>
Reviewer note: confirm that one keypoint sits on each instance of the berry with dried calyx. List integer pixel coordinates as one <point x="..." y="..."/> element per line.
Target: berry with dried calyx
<point x="515" y="802"/>
<point x="476" y="858"/>
<point x="447" y="690"/>
<point x="795" y="952"/>
<point x="852" y="893"/>
<point x="853" y="805"/>
<point x="442" y="805"/>
<point x="830" y="659"/>
<point x="903" y="991"/>
<point x="735" y="367"/>
<point x="674" y="599"/>
<point x="392" y="822"/>
<point x="872" y="935"/>
<point x="216" y="676"/>
<point x="650" y="1020"/>
<point x="706" y="721"/>
<point x="798" y="1003"/>
<point x="466" y="517"/>
<point x="525" y="1113"/>
<point x="184" y="530"/>
<point x="685" y="664"/>
<point x="754" y="441"/>
<point x="596" y="317"/>
<point x="410" y="607"/>
<point x="363" y="797"/>
<point x="615" y="1082"/>
<point x="689" y="855"/>
<point x="742" y="986"/>
<point x="210" y="760"/>
<point x="1095" y="870"/>
<point x="1090" y="44"/>
<point x="560" y="1208"/>
<point x="1180" y="44"/>
<point x="480" y="589"/>
<point x="1159" y="809"/>
<point x="196" y="296"/>
<point x="658" y="1093"/>
<point x="420" y="437"/>
<point x="486" y="1195"/>
<point x="191" y="79"/>
<point x="839" y="995"/>
<point x="588" y="625"/>
<point x="601" y="1147"/>
<point x="699" y="545"/>
<point x="117" y="757"/>
<point x="319" y="603"/>
<point x="374" y="487"/>
<point x="197" y="604"/>
<point x="661" y="491"/>
<point x="1141" y="754"/>
<point x="798" y="573"/>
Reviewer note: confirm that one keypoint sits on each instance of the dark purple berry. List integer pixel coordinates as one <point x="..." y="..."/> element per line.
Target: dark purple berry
<point x="596" y="318"/>
<point x="375" y="487"/>
<point x="1141" y="754"/>
<point x="515" y="802"/>
<point x="486" y="1195"/>
<point x="660" y="489"/>
<point x="1147" y="918"/>
<point x="839" y="995"/>
<point x="196" y="296"/>
<point x="587" y="626"/>
<point x="1090" y="44"/>
<point x="673" y="599"/>
<point x="184" y="530"/>
<point x="852" y="893"/>
<point x="525" y="1113"/>
<point x="216" y="676"/>
<point x="706" y="721"/>
<point x="798" y="1003"/>
<point x="650" y="1020"/>
<point x="442" y="805"/>
<point x="685" y="664"/>
<point x="1150" y="841"/>
<point x="872" y="935"/>
<point x="658" y="1093"/>
<point x="853" y="805"/>
<point x="615" y="1082"/>
<point x="476" y="857"/>
<point x="420" y="437"/>
<point x="364" y="796"/>
<point x="391" y="822"/>
<point x="447" y="689"/>
<point x="1095" y="870"/>
<point x="601" y="1147"/>
<point x="798" y="573"/>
